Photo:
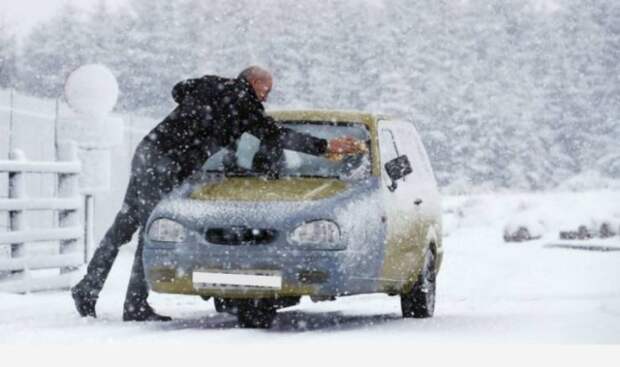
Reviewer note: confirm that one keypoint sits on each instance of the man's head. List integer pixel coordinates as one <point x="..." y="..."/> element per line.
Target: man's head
<point x="260" y="80"/>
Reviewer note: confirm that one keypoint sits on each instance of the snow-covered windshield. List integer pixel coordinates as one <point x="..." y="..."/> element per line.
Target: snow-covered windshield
<point x="244" y="161"/>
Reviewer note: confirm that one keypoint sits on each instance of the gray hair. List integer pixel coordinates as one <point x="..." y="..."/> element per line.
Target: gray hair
<point x="254" y="73"/>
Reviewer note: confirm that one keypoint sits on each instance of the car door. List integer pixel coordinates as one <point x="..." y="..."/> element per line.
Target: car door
<point x="425" y="193"/>
<point x="401" y="250"/>
<point x="421" y="184"/>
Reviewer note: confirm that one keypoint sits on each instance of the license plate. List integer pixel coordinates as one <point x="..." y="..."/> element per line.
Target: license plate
<point x="236" y="280"/>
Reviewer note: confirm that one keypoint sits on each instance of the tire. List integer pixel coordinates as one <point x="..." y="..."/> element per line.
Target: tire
<point x="256" y="314"/>
<point x="220" y="305"/>
<point x="419" y="303"/>
<point x="225" y="305"/>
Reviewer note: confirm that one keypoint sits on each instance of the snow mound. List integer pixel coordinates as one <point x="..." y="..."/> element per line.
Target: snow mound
<point x="524" y="229"/>
<point x="543" y="215"/>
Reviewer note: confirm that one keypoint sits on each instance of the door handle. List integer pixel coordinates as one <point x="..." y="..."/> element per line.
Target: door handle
<point x="417" y="202"/>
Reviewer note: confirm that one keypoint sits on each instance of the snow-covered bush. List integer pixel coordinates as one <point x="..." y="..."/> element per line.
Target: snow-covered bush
<point x="524" y="230"/>
<point x="607" y="230"/>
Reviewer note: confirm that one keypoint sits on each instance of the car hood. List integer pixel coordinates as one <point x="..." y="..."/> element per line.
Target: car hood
<point x="258" y="202"/>
<point x="255" y="189"/>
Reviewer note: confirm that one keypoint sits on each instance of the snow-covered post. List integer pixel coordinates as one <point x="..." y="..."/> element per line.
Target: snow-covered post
<point x="68" y="188"/>
<point x="92" y="92"/>
<point x="11" y="127"/>
<point x="17" y="190"/>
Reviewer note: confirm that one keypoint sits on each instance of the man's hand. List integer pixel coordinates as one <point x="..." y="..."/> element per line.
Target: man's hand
<point x="338" y="148"/>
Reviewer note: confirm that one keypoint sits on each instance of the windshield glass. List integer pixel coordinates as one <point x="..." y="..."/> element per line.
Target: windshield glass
<point x="244" y="160"/>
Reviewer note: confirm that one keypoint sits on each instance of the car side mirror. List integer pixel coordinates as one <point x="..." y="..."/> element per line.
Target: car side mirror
<point x="396" y="169"/>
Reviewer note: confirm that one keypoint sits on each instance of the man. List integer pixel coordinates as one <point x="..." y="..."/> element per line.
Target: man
<point x="212" y="113"/>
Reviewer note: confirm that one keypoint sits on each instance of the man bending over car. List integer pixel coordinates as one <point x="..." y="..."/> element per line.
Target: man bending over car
<point x="212" y="113"/>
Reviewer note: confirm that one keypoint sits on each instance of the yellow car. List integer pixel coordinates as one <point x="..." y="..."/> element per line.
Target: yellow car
<point x="324" y="228"/>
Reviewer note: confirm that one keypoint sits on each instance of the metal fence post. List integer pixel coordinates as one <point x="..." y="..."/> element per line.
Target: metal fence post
<point x="68" y="187"/>
<point x="11" y="127"/>
<point x="17" y="190"/>
<point x="89" y="225"/>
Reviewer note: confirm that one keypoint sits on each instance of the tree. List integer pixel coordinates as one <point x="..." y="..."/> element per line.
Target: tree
<point x="505" y="94"/>
<point x="52" y="51"/>
<point x="157" y="54"/>
<point x="8" y="56"/>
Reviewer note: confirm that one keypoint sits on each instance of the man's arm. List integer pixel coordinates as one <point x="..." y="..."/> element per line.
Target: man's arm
<point x="270" y="131"/>
<point x="284" y="138"/>
<point x="265" y="128"/>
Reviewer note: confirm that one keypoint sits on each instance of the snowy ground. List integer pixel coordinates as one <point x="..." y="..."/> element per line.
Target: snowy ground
<point x="489" y="291"/>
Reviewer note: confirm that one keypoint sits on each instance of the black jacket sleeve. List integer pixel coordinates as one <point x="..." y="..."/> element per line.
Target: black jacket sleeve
<point x="226" y="108"/>
<point x="266" y="129"/>
<point x="258" y="123"/>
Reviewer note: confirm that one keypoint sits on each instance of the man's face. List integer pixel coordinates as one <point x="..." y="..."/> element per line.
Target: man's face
<point x="262" y="87"/>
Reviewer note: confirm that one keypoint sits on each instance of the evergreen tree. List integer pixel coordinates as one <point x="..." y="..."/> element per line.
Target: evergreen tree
<point x="52" y="51"/>
<point x="505" y="94"/>
<point x="8" y="56"/>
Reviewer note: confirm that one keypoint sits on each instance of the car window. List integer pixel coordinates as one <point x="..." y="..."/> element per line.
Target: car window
<point x="415" y="151"/>
<point x="349" y="168"/>
<point x="239" y="156"/>
<point x="241" y="160"/>
<point x="389" y="149"/>
<point x="391" y="145"/>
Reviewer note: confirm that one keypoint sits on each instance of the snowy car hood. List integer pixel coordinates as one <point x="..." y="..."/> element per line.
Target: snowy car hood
<point x="324" y="199"/>
<point x="256" y="189"/>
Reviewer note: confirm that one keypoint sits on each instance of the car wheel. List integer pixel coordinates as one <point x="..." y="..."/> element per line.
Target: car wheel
<point x="256" y="314"/>
<point x="420" y="301"/>
<point x="225" y="305"/>
<point x="219" y="304"/>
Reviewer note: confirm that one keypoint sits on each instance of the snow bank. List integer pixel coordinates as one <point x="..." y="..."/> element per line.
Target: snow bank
<point x="544" y="214"/>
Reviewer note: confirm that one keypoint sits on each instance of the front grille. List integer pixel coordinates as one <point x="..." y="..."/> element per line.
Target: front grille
<point x="240" y="236"/>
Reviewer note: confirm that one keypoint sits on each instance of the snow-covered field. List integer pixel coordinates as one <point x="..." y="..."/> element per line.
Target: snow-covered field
<point x="489" y="291"/>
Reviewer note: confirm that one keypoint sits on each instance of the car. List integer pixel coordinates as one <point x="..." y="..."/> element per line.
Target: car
<point x="257" y="240"/>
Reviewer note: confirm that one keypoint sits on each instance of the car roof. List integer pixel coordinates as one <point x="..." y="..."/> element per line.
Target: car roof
<point x="328" y="115"/>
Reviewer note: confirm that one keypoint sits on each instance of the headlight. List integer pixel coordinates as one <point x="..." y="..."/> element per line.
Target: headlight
<point x="319" y="234"/>
<point x="166" y="230"/>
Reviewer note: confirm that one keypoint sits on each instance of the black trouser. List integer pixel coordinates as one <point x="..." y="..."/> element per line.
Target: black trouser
<point x="152" y="176"/>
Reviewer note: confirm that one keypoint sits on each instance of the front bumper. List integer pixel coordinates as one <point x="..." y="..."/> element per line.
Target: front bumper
<point x="303" y="272"/>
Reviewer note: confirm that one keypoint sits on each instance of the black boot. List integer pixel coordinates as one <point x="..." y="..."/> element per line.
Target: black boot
<point x="136" y="308"/>
<point x="142" y="312"/>
<point x="86" y="292"/>
<point x="84" y="301"/>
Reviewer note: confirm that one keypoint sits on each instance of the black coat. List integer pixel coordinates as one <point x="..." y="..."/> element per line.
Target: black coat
<point x="213" y="113"/>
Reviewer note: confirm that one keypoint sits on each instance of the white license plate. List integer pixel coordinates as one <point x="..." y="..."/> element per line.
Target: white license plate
<point x="218" y="279"/>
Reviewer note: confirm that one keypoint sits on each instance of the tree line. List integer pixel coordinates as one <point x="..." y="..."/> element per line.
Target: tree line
<point x="521" y="94"/>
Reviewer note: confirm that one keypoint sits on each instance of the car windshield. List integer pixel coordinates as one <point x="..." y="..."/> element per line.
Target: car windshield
<point x="244" y="160"/>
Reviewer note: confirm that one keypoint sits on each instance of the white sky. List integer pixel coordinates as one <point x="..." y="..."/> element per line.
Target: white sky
<point x="21" y="15"/>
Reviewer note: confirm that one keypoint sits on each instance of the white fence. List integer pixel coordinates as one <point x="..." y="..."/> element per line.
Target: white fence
<point x="28" y="123"/>
<point x="65" y="249"/>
